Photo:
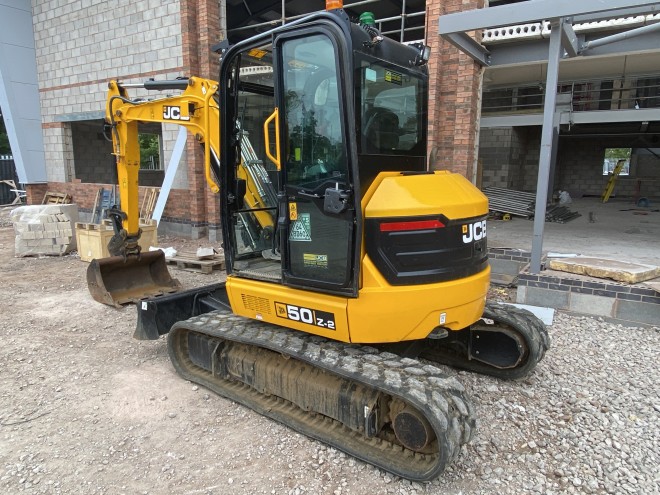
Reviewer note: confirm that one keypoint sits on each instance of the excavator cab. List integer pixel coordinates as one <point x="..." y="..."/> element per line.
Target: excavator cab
<point x="326" y="112"/>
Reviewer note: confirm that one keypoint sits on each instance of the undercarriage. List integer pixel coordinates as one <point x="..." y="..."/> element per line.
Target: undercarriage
<point x="388" y="405"/>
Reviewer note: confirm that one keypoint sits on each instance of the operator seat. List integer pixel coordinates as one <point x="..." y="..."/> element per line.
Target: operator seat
<point x="381" y="131"/>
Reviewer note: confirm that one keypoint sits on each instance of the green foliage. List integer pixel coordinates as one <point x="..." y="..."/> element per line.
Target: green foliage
<point x="618" y="153"/>
<point x="5" y="149"/>
<point x="149" y="151"/>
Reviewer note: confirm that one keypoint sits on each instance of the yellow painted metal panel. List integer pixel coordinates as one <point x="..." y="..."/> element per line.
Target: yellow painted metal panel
<point x="383" y="313"/>
<point x="396" y="195"/>
<point x="310" y="312"/>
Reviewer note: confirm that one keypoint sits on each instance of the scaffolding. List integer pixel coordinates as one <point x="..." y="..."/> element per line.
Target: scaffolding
<point x="399" y="33"/>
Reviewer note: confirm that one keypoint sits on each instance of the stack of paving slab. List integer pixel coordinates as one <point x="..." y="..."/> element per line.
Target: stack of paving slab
<point x="44" y="229"/>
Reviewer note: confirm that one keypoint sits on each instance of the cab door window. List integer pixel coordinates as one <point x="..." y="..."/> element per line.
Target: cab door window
<point x="319" y="242"/>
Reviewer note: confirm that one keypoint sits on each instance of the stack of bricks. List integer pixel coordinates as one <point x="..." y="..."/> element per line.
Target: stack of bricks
<point x="44" y="229"/>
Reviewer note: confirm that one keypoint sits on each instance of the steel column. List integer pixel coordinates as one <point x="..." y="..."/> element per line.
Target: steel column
<point x="547" y="138"/>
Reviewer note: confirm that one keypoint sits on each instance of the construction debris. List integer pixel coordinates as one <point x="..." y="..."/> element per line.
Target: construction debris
<point x="510" y="201"/>
<point x="522" y="204"/>
<point x="560" y="214"/>
<point x="44" y="229"/>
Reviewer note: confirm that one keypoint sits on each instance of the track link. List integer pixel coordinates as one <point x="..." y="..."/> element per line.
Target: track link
<point x="535" y="341"/>
<point x="437" y="396"/>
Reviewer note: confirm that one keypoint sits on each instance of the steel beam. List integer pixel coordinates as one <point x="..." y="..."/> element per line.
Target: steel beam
<point x="475" y="50"/>
<point x="531" y="51"/>
<point x="595" y="117"/>
<point x="528" y="12"/>
<point x="569" y="40"/>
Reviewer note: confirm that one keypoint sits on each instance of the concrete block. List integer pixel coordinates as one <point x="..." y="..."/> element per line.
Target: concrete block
<point x="505" y="267"/>
<point x="537" y="296"/>
<point x="27" y="235"/>
<point x="640" y="312"/>
<point x="35" y="226"/>
<point x="51" y="227"/>
<point x="593" y="305"/>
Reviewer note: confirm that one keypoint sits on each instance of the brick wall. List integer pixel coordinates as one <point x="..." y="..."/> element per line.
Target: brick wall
<point x="200" y="29"/>
<point x="176" y="209"/>
<point x="81" y="45"/>
<point x="454" y="95"/>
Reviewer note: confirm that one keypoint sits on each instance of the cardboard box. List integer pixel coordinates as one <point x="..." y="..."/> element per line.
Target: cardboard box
<point x="92" y="239"/>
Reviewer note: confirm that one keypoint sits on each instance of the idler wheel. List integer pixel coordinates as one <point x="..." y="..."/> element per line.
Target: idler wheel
<point x="412" y="429"/>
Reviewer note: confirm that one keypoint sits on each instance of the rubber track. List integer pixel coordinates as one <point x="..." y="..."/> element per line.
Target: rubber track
<point x="530" y="328"/>
<point x="437" y="395"/>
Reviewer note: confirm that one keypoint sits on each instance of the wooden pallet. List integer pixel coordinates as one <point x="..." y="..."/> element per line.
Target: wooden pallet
<point x="185" y="261"/>
<point x="149" y="203"/>
<point x="55" y="198"/>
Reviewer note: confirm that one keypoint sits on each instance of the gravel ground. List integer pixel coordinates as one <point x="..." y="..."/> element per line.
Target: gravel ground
<point x="86" y="409"/>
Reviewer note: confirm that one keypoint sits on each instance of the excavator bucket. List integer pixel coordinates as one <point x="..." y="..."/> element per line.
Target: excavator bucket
<point x="115" y="281"/>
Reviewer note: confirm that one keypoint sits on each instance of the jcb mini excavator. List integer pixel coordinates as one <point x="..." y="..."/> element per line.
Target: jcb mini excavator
<point x="351" y="268"/>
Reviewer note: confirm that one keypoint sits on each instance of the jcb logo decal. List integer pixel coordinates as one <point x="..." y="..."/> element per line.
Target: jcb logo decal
<point x="474" y="231"/>
<point x="173" y="113"/>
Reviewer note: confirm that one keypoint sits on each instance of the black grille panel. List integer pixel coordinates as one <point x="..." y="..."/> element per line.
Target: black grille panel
<point x="430" y="255"/>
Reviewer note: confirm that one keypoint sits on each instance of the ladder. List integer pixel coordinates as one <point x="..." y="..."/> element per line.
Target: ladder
<point x="612" y="181"/>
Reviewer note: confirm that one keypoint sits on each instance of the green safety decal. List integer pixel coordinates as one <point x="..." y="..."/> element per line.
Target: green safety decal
<point x="301" y="229"/>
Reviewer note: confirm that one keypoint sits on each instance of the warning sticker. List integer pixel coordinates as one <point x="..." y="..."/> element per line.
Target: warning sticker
<point x="301" y="229"/>
<point x="318" y="260"/>
<point x="256" y="53"/>
<point x="293" y="211"/>
<point x="393" y="77"/>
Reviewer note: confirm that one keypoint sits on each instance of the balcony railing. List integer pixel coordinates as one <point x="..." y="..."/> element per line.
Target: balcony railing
<point x="585" y="96"/>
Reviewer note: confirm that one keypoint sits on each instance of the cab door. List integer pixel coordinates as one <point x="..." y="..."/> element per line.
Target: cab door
<point x="317" y="201"/>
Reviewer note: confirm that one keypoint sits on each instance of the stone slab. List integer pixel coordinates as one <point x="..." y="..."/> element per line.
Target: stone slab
<point x="621" y="271"/>
<point x="653" y="284"/>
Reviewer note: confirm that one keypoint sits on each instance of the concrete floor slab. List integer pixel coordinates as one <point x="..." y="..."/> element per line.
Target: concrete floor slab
<point x="620" y="231"/>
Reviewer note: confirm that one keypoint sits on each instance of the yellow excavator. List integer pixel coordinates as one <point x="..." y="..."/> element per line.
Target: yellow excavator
<point x="351" y="269"/>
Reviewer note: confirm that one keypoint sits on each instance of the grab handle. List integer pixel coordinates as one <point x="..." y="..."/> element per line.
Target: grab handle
<point x="275" y="159"/>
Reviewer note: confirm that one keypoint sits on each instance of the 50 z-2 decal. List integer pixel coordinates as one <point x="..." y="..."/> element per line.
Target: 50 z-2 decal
<point x="313" y="317"/>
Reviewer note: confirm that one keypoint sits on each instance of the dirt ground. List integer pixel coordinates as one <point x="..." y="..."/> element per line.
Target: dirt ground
<point x="84" y="408"/>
